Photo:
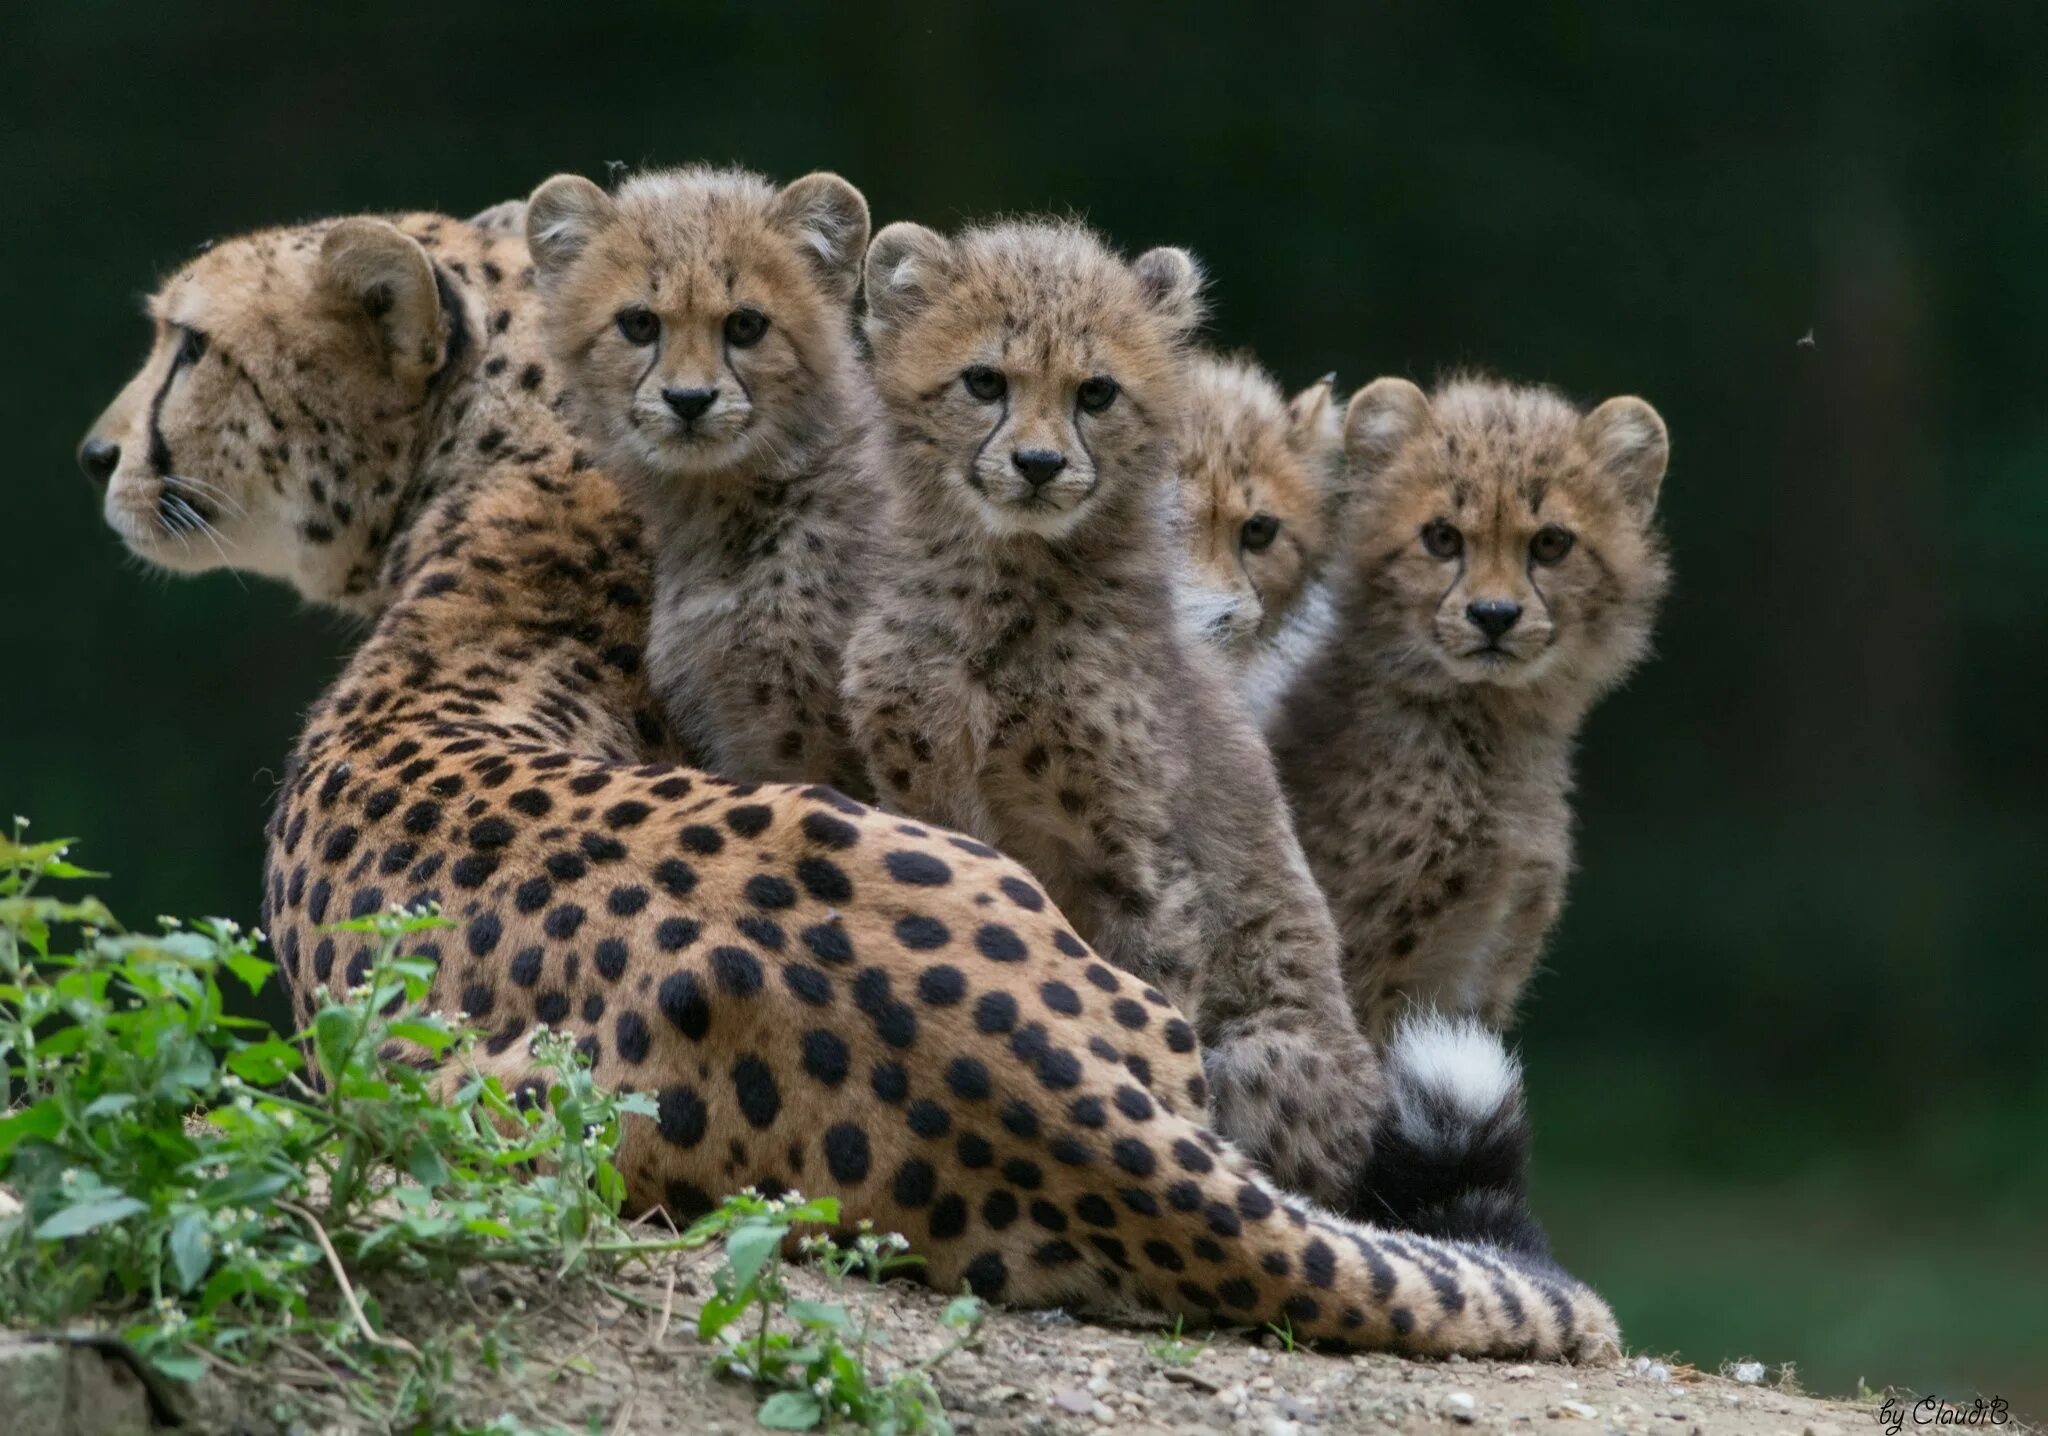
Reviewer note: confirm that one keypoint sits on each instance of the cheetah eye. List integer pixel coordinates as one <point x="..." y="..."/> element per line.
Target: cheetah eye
<point x="1551" y="544"/>
<point x="744" y="327"/>
<point x="639" y="324"/>
<point x="191" y="346"/>
<point x="1098" y="393"/>
<point x="984" y="383"/>
<point x="1258" y="532"/>
<point x="1442" y="539"/>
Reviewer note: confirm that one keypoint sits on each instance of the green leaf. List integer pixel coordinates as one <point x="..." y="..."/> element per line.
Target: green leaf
<point x="751" y="1246"/>
<point x="253" y="971"/>
<point x="57" y="868"/>
<point x="178" y="1368"/>
<point x="434" y="1038"/>
<point x="719" y="1313"/>
<point x="265" y="1063"/>
<point x="425" y="1165"/>
<point x="38" y="1123"/>
<point x="962" y="1311"/>
<point x="87" y="1216"/>
<point x="191" y="1249"/>
<point x="824" y="1210"/>
<point x="334" y="1033"/>
<point x="790" y="1411"/>
<point x="829" y="1315"/>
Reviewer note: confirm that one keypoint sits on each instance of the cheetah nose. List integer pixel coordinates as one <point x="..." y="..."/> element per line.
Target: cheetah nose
<point x="689" y="403"/>
<point x="1493" y="616"/>
<point x="99" y="458"/>
<point x="1038" y="465"/>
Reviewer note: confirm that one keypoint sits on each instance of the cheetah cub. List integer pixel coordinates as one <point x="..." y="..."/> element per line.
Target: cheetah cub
<point x="1502" y="574"/>
<point x="1259" y="483"/>
<point x="704" y="320"/>
<point x="1020" y="674"/>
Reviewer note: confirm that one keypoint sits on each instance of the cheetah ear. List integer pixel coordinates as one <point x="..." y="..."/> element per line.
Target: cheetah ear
<point x="906" y="265"/>
<point x="507" y="216"/>
<point x="562" y="216"/>
<point x="1627" y="438"/>
<point x="383" y="279"/>
<point x="1312" y="418"/>
<point x="1172" y="283"/>
<point x="828" y="218"/>
<point x="1379" y="421"/>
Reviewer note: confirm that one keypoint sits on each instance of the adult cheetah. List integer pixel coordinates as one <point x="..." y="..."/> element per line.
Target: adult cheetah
<point x="816" y="992"/>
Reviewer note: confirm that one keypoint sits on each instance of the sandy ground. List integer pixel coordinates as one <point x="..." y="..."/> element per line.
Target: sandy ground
<point x="591" y="1361"/>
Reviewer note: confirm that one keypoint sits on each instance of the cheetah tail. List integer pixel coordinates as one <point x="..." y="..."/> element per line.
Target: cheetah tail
<point x="1451" y="1155"/>
<point x="1218" y="1242"/>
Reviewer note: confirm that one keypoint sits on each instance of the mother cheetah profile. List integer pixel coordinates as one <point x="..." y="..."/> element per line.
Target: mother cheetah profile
<point x="817" y="993"/>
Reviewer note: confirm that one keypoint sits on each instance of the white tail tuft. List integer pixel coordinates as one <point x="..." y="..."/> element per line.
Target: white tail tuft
<point x="1448" y="1076"/>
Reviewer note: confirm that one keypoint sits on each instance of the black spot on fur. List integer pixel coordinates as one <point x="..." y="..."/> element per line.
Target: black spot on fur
<point x="830" y="832"/>
<point x="1023" y="894"/>
<point x="967" y="1079"/>
<point x="737" y="970"/>
<point x="999" y="944"/>
<point x="949" y="1217"/>
<point x="917" y="869"/>
<point x="1060" y="998"/>
<point x="829" y="943"/>
<point x="824" y="880"/>
<point x="682" y="1002"/>
<point x="683" y="1118"/>
<point x="921" y="934"/>
<point x="987" y="1276"/>
<point x="750" y="820"/>
<point x="825" y="1056"/>
<point x="673" y="934"/>
<point x="996" y="1012"/>
<point x="915" y="1183"/>
<point x="890" y="1082"/>
<point x="754" y="1084"/>
<point x="675" y="877"/>
<point x="807" y="983"/>
<point x="846" y="1153"/>
<point x="941" y="985"/>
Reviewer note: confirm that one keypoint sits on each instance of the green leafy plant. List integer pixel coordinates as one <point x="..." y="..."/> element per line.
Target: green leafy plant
<point x="1283" y="1332"/>
<point x="211" y="1190"/>
<point x="1176" y="1350"/>
<point x="815" y="1359"/>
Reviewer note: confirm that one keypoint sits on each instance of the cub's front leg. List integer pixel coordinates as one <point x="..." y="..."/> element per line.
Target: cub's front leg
<point x="1292" y="1077"/>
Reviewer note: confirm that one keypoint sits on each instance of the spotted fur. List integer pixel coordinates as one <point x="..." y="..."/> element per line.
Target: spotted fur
<point x="1018" y="674"/>
<point x="734" y="416"/>
<point x="1428" y="759"/>
<point x="814" y="992"/>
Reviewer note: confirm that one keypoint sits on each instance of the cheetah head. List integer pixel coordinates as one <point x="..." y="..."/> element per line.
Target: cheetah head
<point x="275" y="424"/>
<point x="702" y="315"/>
<point x="1507" y="537"/>
<point x="1038" y="374"/>
<point x="1258" y="484"/>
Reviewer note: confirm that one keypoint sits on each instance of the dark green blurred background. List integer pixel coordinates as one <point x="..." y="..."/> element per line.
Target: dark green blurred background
<point x="1787" y="1063"/>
